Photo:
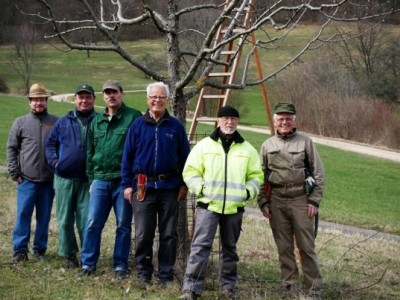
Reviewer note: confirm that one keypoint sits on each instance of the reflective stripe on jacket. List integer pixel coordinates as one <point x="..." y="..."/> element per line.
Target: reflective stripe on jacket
<point x="221" y="179"/>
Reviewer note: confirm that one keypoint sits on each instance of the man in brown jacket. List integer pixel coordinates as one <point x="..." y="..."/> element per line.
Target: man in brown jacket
<point x="293" y="188"/>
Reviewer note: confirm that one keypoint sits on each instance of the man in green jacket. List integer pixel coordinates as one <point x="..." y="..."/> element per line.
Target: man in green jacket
<point x="103" y="167"/>
<point x="224" y="172"/>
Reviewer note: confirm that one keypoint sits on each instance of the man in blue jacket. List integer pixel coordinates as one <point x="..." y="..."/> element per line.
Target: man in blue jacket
<point x="155" y="152"/>
<point x="66" y="152"/>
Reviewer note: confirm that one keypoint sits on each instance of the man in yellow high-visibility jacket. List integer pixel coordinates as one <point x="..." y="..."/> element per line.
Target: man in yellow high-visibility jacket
<point x="224" y="172"/>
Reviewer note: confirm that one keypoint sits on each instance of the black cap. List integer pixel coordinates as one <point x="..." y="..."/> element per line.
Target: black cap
<point x="84" y="88"/>
<point x="228" y="111"/>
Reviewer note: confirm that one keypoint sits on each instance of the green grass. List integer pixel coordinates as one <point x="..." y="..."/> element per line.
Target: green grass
<point x="353" y="267"/>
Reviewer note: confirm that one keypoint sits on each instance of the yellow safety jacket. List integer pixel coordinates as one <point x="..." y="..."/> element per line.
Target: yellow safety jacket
<point x="223" y="181"/>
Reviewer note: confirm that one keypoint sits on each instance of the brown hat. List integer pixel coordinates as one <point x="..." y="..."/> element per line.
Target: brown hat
<point x="38" y="90"/>
<point x="285" y="107"/>
<point x="112" y="85"/>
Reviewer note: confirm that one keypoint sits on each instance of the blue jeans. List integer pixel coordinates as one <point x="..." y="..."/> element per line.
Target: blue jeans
<point x="159" y="205"/>
<point x="104" y="195"/>
<point x="32" y="195"/>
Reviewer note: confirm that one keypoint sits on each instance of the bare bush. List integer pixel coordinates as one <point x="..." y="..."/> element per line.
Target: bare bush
<point x="330" y="103"/>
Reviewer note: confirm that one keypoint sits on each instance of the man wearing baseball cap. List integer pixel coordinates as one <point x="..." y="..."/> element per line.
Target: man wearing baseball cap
<point x="106" y="141"/>
<point x="27" y="166"/>
<point x="295" y="181"/>
<point x="66" y="153"/>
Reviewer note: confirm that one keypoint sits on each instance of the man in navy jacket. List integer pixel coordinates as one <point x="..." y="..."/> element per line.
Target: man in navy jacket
<point x="155" y="152"/>
<point x="66" y="152"/>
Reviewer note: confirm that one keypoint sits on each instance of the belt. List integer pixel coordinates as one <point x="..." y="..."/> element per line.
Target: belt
<point x="160" y="177"/>
<point x="287" y="185"/>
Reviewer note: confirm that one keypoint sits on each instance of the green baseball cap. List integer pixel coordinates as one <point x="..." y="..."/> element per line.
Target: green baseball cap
<point x="86" y="88"/>
<point x="285" y="107"/>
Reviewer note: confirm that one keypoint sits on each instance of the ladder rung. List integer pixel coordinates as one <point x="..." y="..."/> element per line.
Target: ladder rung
<point x="206" y="119"/>
<point x="228" y="52"/>
<point x="213" y="96"/>
<point x="220" y="74"/>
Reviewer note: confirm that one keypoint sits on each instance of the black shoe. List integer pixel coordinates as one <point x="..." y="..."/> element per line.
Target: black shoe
<point x="20" y="257"/>
<point x="122" y="274"/>
<point x="165" y="282"/>
<point x="38" y="255"/>
<point x="85" y="273"/>
<point x="188" y="295"/>
<point x="72" y="262"/>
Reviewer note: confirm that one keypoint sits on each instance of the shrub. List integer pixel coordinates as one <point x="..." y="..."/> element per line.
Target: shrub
<point x="3" y="86"/>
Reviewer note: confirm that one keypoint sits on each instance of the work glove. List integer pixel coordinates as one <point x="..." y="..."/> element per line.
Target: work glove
<point x="310" y="185"/>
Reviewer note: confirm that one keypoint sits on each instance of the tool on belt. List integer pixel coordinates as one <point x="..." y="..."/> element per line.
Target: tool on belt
<point x="141" y="187"/>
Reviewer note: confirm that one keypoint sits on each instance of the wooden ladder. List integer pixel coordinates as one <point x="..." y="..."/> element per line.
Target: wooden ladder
<point x="212" y="99"/>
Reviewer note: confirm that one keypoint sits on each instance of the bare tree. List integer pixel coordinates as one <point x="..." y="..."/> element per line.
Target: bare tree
<point x="190" y="63"/>
<point x="274" y="20"/>
<point x="23" y="52"/>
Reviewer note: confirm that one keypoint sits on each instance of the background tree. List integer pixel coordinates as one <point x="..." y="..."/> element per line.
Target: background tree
<point x="371" y="56"/>
<point x="23" y="53"/>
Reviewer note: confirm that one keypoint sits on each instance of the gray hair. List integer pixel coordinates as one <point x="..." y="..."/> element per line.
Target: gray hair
<point x="157" y="84"/>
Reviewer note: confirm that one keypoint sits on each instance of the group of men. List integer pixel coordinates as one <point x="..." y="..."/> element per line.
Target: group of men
<point x="142" y="166"/>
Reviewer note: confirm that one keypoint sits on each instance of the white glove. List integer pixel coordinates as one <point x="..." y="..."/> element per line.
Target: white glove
<point x="310" y="184"/>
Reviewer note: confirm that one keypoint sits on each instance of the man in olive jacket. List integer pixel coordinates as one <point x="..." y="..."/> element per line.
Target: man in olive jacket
<point x="103" y="167"/>
<point x="293" y="188"/>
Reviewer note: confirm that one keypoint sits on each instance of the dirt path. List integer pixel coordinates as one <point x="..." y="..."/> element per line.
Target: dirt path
<point x="341" y="144"/>
<point x="339" y="228"/>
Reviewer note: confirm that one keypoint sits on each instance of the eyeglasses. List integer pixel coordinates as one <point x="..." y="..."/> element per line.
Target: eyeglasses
<point x="157" y="97"/>
<point x="282" y="119"/>
<point x="232" y="119"/>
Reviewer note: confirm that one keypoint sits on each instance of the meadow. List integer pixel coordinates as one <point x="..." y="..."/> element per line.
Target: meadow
<point x="361" y="191"/>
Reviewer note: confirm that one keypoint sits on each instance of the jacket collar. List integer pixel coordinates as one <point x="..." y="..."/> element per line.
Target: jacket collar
<point x="237" y="138"/>
<point x="288" y="136"/>
<point x="147" y="118"/>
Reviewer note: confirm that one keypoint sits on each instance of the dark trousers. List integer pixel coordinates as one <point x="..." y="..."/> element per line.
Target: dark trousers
<point x="204" y="233"/>
<point x="158" y="206"/>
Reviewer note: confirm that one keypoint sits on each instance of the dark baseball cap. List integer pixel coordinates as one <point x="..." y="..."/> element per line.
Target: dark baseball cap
<point x="86" y="88"/>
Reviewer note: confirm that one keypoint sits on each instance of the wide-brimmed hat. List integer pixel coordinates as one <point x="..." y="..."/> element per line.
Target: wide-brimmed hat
<point x="38" y="90"/>
<point x="285" y="107"/>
